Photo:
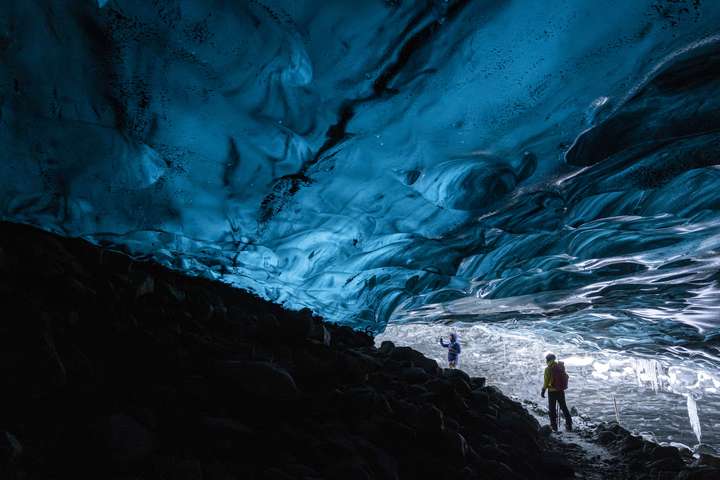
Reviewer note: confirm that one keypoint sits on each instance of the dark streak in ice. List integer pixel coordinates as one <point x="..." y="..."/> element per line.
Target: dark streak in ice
<point x="289" y="185"/>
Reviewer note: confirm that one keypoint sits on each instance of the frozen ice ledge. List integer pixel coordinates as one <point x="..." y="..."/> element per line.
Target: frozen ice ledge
<point x="427" y="160"/>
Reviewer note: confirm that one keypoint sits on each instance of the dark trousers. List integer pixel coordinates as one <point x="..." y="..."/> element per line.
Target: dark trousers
<point x="555" y="399"/>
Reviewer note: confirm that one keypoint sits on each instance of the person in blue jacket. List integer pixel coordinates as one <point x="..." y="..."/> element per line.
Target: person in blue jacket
<point x="453" y="350"/>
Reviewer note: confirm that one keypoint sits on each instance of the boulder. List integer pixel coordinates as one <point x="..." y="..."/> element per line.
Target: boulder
<point x="416" y="391"/>
<point x="169" y="291"/>
<point x="455" y="374"/>
<point x="659" y="452"/>
<point x="349" y="469"/>
<point x="454" y="445"/>
<point x="267" y="327"/>
<point x="187" y="469"/>
<point x="225" y="427"/>
<point x="494" y="469"/>
<point x="545" y="431"/>
<point x="386" y="347"/>
<point x="323" y="335"/>
<point x="703" y="473"/>
<point x="556" y="466"/>
<point x="405" y="411"/>
<point x="392" y="432"/>
<point x="260" y="379"/>
<point x="516" y="422"/>
<point x="428" y="364"/>
<point x="204" y="304"/>
<point x="708" y="460"/>
<point x="441" y="387"/>
<point x="115" y="261"/>
<point x="125" y="440"/>
<point x="10" y="447"/>
<point x="606" y="437"/>
<point x="667" y="464"/>
<point x="297" y="470"/>
<point x="296" y="328"/>
<point x="355" y="367"/>
<point x="346" y="336"/>
<point x="459" y="379"/>
<point x="364" y="401"/>
<point x="414" y="374"/>
<point x="480" y="399"/>
<point x="477" y="382"/>
<point x="632" y="443"/>
<point x="405" y="354"/>
<point x="144" y="283"/>
<point x="429" y="419"/>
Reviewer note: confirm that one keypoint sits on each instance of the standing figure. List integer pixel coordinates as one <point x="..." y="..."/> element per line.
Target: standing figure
<point x="556" y="382"/>
<point x="453" y="350"/>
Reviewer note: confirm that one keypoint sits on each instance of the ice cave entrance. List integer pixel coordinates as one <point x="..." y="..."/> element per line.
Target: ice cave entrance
<point x="671" y="401"/>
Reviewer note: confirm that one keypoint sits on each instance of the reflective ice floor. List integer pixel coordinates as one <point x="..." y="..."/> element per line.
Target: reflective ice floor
<point x="651" y="394"/>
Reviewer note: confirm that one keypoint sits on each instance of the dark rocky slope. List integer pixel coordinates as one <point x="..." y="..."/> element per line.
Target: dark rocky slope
<point x="113" y="368"/>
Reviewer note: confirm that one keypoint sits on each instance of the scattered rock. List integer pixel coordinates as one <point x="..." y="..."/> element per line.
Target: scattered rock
<point x="667" y="464"/>
<point x="319" y="333"/>
<point x="477" y="382"/>
<point x="430" y="419"/>
<point x="414" y="375"/>
<point x="216" y="383"/>
<point x="10" y="447"/>
<point x="454" y="445"/>
<point x="545" y="431"/>
<point x="658" y="452"/>
<point x="386" y="347"/>
<point x="606" y="438"/>
<point x="557" y="466"/>
<point x="707" y="460"/>
<point x="126" y="440"/>
<point x="187" y="469"/>
<point x="261" y="379"/>
<point x="632" y="443"/>
<point x="225" y="427"/>
<point x="145" y="284"/>
<point x="455" y="374"/>
<point x="703" y="473"/>
<point x="428" y="364"/>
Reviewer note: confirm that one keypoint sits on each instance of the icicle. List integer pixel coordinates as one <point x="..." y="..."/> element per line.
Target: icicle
<point x="649" y="372"/>
<point x="617" y="412"/>
<point x="693" y="414"/>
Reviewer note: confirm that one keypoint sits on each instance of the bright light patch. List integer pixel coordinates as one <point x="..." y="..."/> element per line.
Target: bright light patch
<point x="651" y="393"/>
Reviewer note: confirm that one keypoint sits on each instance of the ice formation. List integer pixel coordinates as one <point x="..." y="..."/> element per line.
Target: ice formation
<point x="553" y="164"/>
<point x="694" y="418"/>
<point x="650" y="396"/>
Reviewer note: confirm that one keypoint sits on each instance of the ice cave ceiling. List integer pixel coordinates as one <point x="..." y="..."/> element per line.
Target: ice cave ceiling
<point x="551" y="160"/>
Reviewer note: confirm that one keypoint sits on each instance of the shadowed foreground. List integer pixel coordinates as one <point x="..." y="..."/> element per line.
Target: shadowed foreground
<point x="115" y="368"/>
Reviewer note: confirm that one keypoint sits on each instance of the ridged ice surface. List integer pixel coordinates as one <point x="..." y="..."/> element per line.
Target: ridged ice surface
<point x="550" y="163"/>
<point x="655" y="396"/>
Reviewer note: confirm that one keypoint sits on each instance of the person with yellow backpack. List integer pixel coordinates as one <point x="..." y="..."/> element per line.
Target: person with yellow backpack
<point x="556" y="382"/>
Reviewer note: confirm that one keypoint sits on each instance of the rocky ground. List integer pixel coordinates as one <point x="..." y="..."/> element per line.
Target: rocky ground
<point x="120" y="369"/>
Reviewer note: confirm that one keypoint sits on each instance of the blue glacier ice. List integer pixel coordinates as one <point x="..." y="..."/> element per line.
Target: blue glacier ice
<point x="552" y="165"/>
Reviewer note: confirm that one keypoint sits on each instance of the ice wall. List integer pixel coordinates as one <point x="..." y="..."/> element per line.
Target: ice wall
<point x="670" y="400"/>
<point x="542" y="160"/>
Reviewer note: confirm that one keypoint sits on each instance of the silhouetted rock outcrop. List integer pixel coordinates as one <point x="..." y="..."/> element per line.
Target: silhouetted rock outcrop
<point x="113" y="368"/>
